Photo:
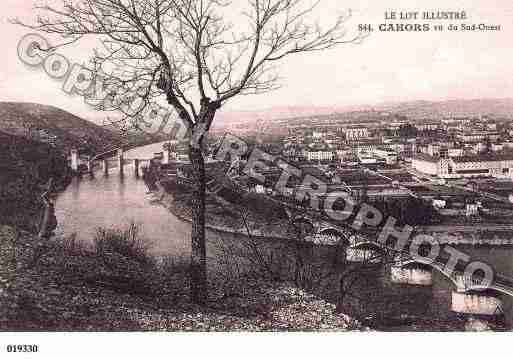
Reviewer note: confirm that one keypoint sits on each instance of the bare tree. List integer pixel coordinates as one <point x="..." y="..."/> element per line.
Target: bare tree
<point x="197" y="55"/>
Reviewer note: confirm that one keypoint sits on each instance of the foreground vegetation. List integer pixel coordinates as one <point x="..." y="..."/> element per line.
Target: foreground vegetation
<point x="115" y="284"/>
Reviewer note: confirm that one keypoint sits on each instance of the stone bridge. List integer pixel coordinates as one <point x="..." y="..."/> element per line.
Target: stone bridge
<point x="112" y="158"/>
<point x="471" y="295"/>
<point x="361" y="247"/>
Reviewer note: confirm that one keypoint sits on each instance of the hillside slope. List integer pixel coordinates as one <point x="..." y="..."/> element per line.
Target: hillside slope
<point x="50" y="124"/>
<point x="26" y="166"/>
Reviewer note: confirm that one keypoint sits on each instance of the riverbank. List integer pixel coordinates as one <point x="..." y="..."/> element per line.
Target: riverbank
<point x="219" y="217"/>
<point x="61" y="285"/>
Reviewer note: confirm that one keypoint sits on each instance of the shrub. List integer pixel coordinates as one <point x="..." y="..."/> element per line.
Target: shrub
<point x="125" y="242"/>
<point x="125" y="264"/>
<point x="174" y="274"/>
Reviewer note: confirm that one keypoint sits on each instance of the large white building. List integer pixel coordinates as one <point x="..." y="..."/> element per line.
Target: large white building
<point x="426" y="164"/>
<point x="489" y="165"/>
<point x="477" y="136"/>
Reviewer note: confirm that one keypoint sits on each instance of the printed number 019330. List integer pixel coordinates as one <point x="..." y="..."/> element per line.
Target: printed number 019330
<point x="22" y="349"/>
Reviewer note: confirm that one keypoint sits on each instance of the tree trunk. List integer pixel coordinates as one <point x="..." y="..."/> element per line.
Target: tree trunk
<point x="198" y="130"/>
<point x="198" y="270"/>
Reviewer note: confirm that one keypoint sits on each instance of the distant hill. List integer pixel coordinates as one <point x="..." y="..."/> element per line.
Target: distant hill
<point x="497" y="108"/>
<point x="52" y="125"/>
<point x="247" y="121"/>
<point x="254" y="119"/>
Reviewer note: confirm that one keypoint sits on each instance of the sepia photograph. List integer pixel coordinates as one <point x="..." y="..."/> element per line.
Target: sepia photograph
<point x="320" y="173"/>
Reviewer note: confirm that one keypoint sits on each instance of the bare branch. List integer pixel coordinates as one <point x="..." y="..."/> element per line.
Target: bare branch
<point x="188" y="50"/>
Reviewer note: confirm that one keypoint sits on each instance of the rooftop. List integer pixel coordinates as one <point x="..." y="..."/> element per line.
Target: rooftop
<point x="355" y="127"/>
<point x="485" y="157"/>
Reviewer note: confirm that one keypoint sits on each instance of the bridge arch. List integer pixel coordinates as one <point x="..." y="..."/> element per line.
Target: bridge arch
<point x="428" y="263"/>
<point x="461" y="284"/>
<point x="367" y="245"/>
<point x="337" y="235"/>
<point x="365" y="251"/>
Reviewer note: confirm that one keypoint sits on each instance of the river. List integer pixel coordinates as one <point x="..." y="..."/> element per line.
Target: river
<point x="114" y="202"/>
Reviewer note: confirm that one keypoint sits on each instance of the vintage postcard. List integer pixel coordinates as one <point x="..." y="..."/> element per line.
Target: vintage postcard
<point x="184" y="166"/>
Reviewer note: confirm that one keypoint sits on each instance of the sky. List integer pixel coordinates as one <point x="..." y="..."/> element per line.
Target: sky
<point x="386" y="67"/>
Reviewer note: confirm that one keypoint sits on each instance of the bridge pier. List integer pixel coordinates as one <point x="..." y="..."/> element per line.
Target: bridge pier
<point x="473" y="324"/>
<point x="477" y="303"/>
<point x="166" y="158"/>
<point x="169" y="153"/>
<point x="136" y="168"/>
<point x="90" y="166"/>
<point x="105" y="168"/>
<point x="362" y="254"/>
<point x="74" y="160"/>
<point x="121" y="161"/>
<point x="401" y="274"/>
